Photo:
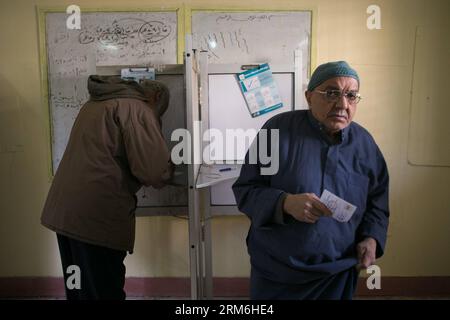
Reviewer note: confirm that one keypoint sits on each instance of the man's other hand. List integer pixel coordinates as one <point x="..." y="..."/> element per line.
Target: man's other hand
<point x="366" y="251"/>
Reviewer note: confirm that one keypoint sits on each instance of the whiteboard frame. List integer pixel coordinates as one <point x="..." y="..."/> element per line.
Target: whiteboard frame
<point x="42" y="12"/>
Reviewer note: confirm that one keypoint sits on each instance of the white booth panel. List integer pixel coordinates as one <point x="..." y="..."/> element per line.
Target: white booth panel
<point x="228" y="109"/>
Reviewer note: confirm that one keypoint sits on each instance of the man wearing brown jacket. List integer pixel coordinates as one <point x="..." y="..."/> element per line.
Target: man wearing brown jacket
<point x="115" y="147"/>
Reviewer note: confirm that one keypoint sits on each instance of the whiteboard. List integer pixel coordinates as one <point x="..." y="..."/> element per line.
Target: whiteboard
<point x="228" y="111"/>
<point x="105" y="39"/>
<point x="254" y="37"/>
<point x="125" y="38"/>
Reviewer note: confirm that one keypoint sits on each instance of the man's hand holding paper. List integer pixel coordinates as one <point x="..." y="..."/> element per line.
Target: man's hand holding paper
<point x="342" y="210"/>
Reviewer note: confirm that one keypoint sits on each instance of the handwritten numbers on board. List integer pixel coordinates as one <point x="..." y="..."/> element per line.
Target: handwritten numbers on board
<point x="74" y="20"/>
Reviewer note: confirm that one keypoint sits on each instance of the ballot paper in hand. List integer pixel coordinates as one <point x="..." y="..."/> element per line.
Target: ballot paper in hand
<point x="341" y="209"/>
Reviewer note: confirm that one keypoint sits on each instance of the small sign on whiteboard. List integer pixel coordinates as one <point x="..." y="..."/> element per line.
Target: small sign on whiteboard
<point x="260" y="90"/>
<point x="138" y="74"/>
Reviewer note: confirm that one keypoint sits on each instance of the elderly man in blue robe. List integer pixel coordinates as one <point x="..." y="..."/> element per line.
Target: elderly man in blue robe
<point x="297" y="249"/>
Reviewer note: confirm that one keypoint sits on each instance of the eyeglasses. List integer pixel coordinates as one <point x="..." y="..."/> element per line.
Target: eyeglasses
<point x="334" y="95"/>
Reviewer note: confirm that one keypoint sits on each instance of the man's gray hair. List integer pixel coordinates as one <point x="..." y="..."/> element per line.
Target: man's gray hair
<point x="152" y="87"/>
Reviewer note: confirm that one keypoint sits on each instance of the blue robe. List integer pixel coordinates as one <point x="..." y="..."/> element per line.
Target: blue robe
<point x="312" y="261"/>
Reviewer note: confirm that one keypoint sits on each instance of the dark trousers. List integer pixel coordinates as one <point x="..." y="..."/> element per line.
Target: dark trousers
<point x="340" y="286"/>
<point x="102" y="272"/>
